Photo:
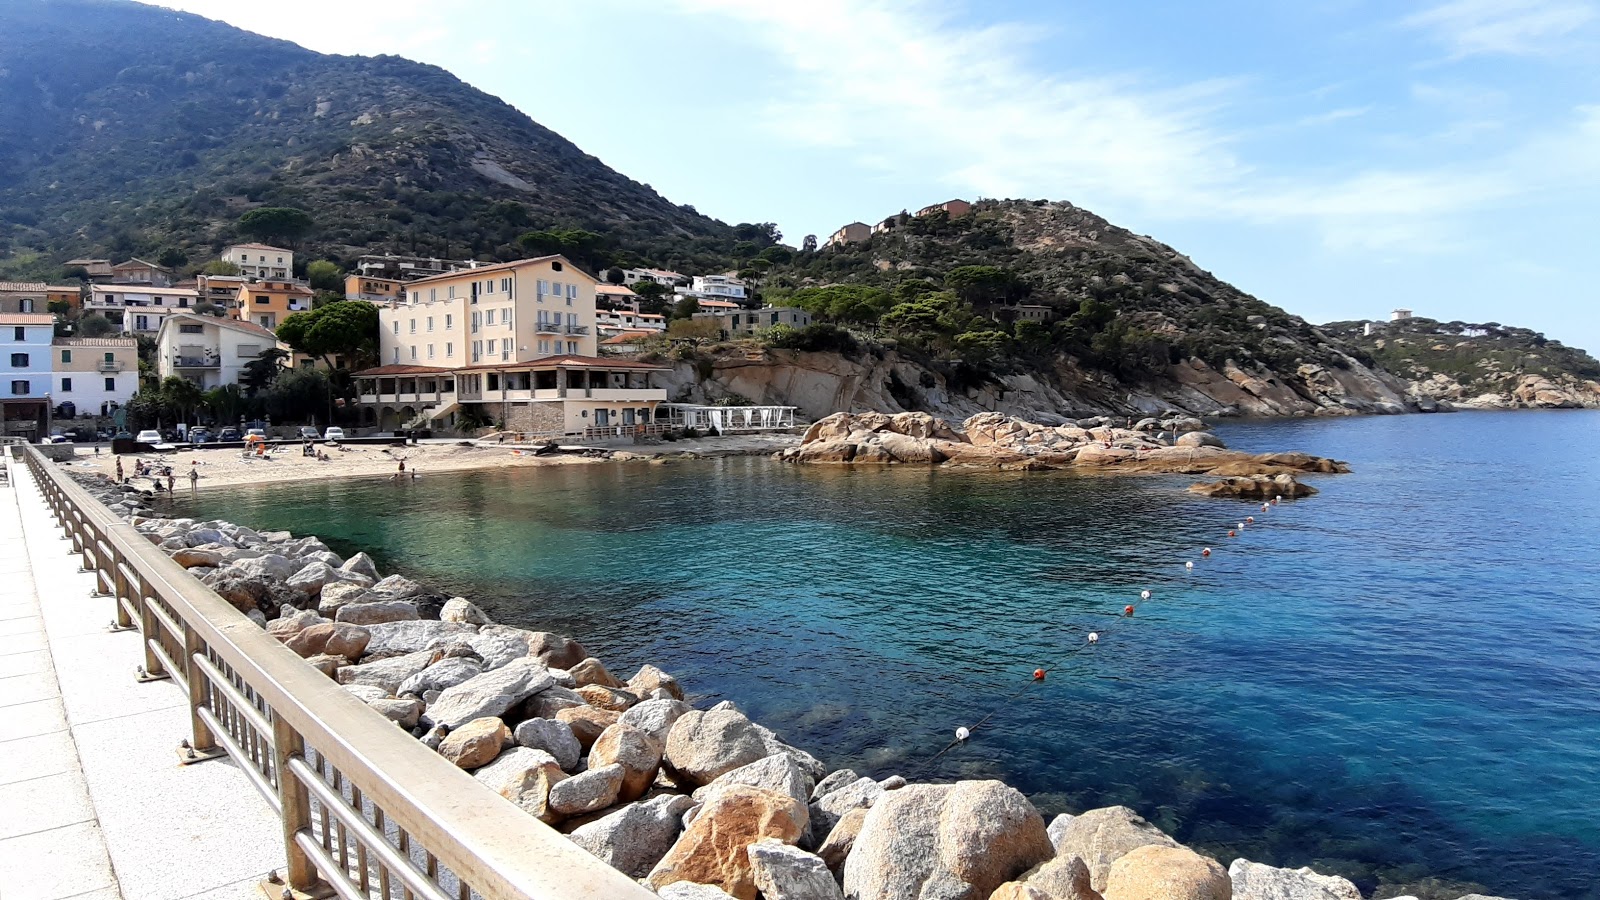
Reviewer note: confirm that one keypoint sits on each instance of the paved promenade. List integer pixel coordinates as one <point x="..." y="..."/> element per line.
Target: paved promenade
<point x="93" y="802"/>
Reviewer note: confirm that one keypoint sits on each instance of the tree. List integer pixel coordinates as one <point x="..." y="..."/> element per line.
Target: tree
<point x="763" y="234"/>
<point x="220" y="267"/>
<point x="844" y="302"/>
<point x="226" y="403"/>
<point x="207" y="308"/>
<point x="180" y="396"/>
<point x="59" y="308"/>
<point x="694" y="330"/>
<point x="324" y="275"/>
<point x="95" y="325"/>
<point x="653" y="296"/>
<point x="172" y="258"/>
<point x="580" y="246"/>
<point x="809" y="245"/>
<point x="776" y="255"/>
<point x="258" y="374"/>
<point x="685" y="308"/>
<point x="347" y="328"/>
<point x="615" y="275"/>
<point x="985" y="285"/>
<point x="297" y="395"/>
<point x="276" y="223"/>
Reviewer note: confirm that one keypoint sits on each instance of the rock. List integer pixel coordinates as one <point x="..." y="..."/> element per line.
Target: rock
<point x="192" y="557"/>
<point x="556" y="651"/>
<point x="783" y="872"/>
<point x="606" y="698"/>
<point x="1254" y="487"/>
<point x="398" y="587"/>
<point x="291" y="622"/>
<point x="777" y="772"/>
<point x="1255" y="881"/>
<point x="688" y="890"/>
<point x="1016" y="890"/>
<point x="547" y="703"/>
<point x="1058" y="828"/>
<point x="475" y="743"/>
<point x="637" y="753"/>
<point x="893" y="783"/>
<point x="590" y="671"/>
<point x="409" y="635"/>
<point x="587" y="722"/>
<point x="327" y="663"/>
<point x="1062" y="878"/>
<point x="361" y="564"/>
<point x="349" y="641"/>
<point x="243" y="592"/>
<point x="835" y="848"/>
<point x="268" y="567"/>
<point x="713" y="848"/>
<point x="649" y="679"/>
<point x="200" y="536"/>
<point x="497" y="648"/>
<point x="951" y="842"/>
<point x="587" y="792"/>
<point x="310" y="579"/>
<point x="553" y="737"/>
<point x="634" y="838"/>
<point x="446" y="673"/>
<point x="338" y="595"/>
<point x="655" y="717"/>
<point x="1199" y="439"/>
<point x="704" y="745"/>
<point x="517" y="770"/>
<point x="489" y="693"/>
<point x="376" y="613"/>
<point x="386" y="673"/>
<point x="462" y="611"/>
<point x="366" y="693"/>
<point x="1102" y="836"/>
<point x="1153" y="872"/>
<point x="859" y="794"/>
<point x="405" y="713"/>
<point x="835" y="780"/>
<point x="308" y="641"/>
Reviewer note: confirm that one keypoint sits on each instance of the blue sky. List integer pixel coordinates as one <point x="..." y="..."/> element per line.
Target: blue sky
<point x="1335" y="157"/>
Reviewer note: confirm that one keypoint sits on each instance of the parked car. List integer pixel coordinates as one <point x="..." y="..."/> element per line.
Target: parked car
<point x="58" y="438"/>
<point x="334" y="433"/>
<point x="256" y="432"/>
<point x="309" y="433"/>
<point x="229" y="433"/>
<point x="199" y="436"/>
<point x="149" y="436"/>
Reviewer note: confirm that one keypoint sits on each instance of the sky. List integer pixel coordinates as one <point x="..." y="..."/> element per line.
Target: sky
<point x="1338" y="158"/>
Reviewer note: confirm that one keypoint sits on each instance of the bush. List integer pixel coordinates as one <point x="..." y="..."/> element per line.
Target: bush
<point x="817" y="337"/>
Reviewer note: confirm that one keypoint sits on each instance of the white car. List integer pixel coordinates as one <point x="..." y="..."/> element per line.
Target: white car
<point x="334" y="433"/>
<point x="149" y="436"/>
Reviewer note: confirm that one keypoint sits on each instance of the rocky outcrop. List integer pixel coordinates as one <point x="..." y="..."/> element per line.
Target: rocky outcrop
<point x="1254" y="881"/>
<point x="1100" y="837"/>
<point x="1254" y="487"/>
<point x="713" y="849"/>
<point x="1167" y="873"/>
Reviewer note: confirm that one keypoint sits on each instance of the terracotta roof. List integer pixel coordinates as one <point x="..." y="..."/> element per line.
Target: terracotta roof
<point x="27" y="319"/>
<point x="115" y="343"/>
<point x="37" y="286"/>
<point x="617" y="289"/>
<point x="62" y="288"/>
<point x="235" y="324"/>
<point x="402" y="370"/>
<point x="717" y="304"/>
<point x="501" y="267"/>
<point x="568" y="362"/>
<point x="628" y="337"/>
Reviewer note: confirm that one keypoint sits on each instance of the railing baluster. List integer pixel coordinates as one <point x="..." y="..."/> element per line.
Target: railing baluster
<point x="295" y="803"/>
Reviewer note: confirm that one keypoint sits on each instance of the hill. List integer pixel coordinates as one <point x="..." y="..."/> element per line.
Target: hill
<point x="1485" y="366"/>
<point x="131" y="129"/>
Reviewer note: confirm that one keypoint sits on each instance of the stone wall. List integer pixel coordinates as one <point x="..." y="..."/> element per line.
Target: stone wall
<point x="535" y="417"/>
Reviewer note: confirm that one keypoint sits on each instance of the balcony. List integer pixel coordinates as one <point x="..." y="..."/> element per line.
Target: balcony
<point x="194" y="362"/>
<point x="577" y="329"/>
<point x="111" y="365"/>
<point x="550" y="328"/>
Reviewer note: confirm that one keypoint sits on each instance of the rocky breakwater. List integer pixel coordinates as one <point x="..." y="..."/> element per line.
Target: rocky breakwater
<point x="1179" y="445"/>
<point x="696" y="804"/>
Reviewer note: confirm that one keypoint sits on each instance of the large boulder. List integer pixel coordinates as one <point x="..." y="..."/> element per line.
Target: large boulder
<point x="243" y="592"/>
<point x="405" y="713"/>
<point x="463" y="612"/>
<point x="555" y="650"/>
<point x="584" y="793"/>
<point x="377" y="612"/>
<point x="553" y="737"/>
<point x="475" y="743"/>
<point x="489" y="694"/>
<point x="859" y="794"/>
<point x="1153" y="872"/>
<point x="587" y="723"/>
<point x="1100" y="837"/>
<point x="361" y="564"/>
<point x="1255" y="881"/>
<point x="399" y="587"/>
<point x="408" y="635"/>
<point x="387" y="674"/>
<point x="945" y="842"/>
<point x="291" y="622"/>
<point x="637" y="753"/>
<point x="836" y="779"/>
<point x="592" y="671"/>
<point x="310" y="578"/>
<point x="511" y="773"/>
<point x="497" y="647"/>
<point x="655" y="717"/>
<point x="649" y="680"/>
<point x="1062" y="878"/>
<point x="1254" y="487"/>
<point x="713" y="848"/>
<point x="267" y="567"/>
<point x="192" y="557"/>
<point x="835" y="848"/>
<point x="785" y="872"/>
<point x="777" y="772"/>
<point x="634" y="838"/>
<point x="606" y="698"/>
<point x="704" y="745"/>
<point x="444" y="674"/>
<point x="347" y="640"/>
<point x="338" y="595"/>
<point x="1199" y="439"/>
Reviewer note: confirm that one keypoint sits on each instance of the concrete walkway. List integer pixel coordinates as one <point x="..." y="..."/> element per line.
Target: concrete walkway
<point x="93" y="802"/>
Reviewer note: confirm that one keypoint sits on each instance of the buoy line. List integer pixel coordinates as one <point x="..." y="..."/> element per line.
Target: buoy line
<point x="964" y="733"/>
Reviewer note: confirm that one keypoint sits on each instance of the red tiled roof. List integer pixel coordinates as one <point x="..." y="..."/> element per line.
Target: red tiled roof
<point x="402" y="370"/>
<point x="27" y="319"/>
<point x="37" y="286"/>
<point x="501" y="267"/>
<point x="568" y="362"/>
<point x="616" y="289"/>
<point x="628" y="337"/>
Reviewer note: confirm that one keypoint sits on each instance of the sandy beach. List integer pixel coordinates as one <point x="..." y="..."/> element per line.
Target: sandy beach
<point x="225" y="467"/>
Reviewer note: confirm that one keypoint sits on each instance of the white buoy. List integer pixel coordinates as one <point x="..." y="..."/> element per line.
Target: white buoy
<point x="1144" y="595"/>
<point x="1277" y="498"/>
<point x="1241" y="526"/>
<point x="1094" y="637"/>
<point x="962" y="733"/>
<point x="1188" y="565"/>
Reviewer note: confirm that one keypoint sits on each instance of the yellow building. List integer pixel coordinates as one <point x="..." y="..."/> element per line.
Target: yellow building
<point x="516" y="340"/>
<point x="268" y="303"/>
<point x="372" y="290"/>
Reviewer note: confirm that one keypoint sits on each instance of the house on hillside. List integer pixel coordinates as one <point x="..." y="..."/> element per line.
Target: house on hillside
<point x="615" y="296"/>
<point x="268" y="303"/>
<point x="750" y="322"/>
<point x="95" y="375"/>
<point x="36" y="296"/>
<point x="715" y="287"/>
<point x="138" y="271"/>
<point x="953" y="208"/>
<point x="373" y="289"/>
<point x="97" y="269"/>
<point x="209" y="351"/>
<point x="25" y="392"/>
<point x="221" y="291"/>
<point x="854" y="233"/>
<point x="662" y="277"/>
<point x="261" y="261"/>
<point x="139" y="308"/>
<point x="409" y="268"/>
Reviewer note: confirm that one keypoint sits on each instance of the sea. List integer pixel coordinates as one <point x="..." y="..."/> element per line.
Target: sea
<point x="1396" y="680"/>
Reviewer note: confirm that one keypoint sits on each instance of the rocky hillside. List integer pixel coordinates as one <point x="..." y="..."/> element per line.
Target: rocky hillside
<point x="131" y="129"/>
<point x="1482" y="366"/>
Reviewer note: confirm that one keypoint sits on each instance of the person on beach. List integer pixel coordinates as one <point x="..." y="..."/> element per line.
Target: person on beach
<point x="170" y="481"/>
<point x="402" y="465"/>
<point x="120" y="478"/>
<point x="194" y="478"/>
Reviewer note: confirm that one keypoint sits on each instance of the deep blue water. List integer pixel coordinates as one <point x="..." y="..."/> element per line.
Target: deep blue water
<point x="1397" y="680"/>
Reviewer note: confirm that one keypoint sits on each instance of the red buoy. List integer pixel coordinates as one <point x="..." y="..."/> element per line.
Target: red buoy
<point x="1127" y="610"/>
<point x="1231" y="534"/>
<point x="1038" y="674"/>
<point x="1206" y="552"/>
<point x="1250" y="519"/>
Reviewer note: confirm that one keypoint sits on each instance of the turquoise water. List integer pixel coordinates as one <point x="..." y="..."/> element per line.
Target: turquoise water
<point x="1397" y="680"/>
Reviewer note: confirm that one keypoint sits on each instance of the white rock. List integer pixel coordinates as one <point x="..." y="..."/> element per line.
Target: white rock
<point x="634" y="838"/>
<point x="1255" y="881"/>
<point x="784" y="872"/>
<point x="489" y="694"/>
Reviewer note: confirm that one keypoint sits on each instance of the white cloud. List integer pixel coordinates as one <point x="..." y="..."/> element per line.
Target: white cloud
<point x="1504" y="27"/>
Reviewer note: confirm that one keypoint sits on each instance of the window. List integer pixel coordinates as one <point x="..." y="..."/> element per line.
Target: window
<point x="430" y="351"/>
<point x="572" y="293"/>
<point x="27" y="305"/>
<point x="19" y="360"/>
<point x="488" y="317"/>
<point x="488" y="286"/>
<point x="413" y="352"/>
<point x="187" y="329"/>
<point x="248" y="351"/>
<point x="544" y="346"/>
<point x="477" y="317"/>
<point x="413" y="326"/>
<point x="280" y="260"/>
<point x="66" y="356"/>
<point x="111" y="384"/>
<point x="507" y="318"/>
<point x="572" y="347"/>
<point x="449" y="348"/>
<point x="266" y="322"/>
<point x="66" y="384"/>
<point x="544" y="288"/>
<point x="449" y="322"/>
<point x="19" y="334"/>
<point x="450" y="292"/>
<point x="505" y="285"/>
<point x="430" y="323"/>
<point x="396" y="326"/>
<point x="491" y="346"/>
<point x="556" y="266"/>
<point x="397" y="354"/>
<point x="19" y="388"/>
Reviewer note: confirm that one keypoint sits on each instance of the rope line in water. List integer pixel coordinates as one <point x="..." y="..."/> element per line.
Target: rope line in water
<point x="964" y="733"/>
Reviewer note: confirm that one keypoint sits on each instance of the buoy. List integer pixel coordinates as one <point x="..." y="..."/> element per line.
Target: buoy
<point x="1265" y="507"/>
<point x="962" y="733"/>
<point x="1277" y="498"/>
<point x="1206" y="552"/>
<point x="1241" y="526"/>
<point x="1127" y="610"/>
<point x="1144" y="595"/>
<point x="1231" y="534"/>
<point x="1188" y="565"/>
<point x="1250" y="519"/>
<point x="1038" y="674"/>
<point x="1094" y="637"/>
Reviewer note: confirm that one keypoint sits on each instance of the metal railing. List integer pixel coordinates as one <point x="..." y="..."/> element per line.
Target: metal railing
<point x="367" y="810"/>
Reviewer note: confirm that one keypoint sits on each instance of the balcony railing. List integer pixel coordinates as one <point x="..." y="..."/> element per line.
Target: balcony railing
<point x="197" y="362"/>
<point x="367" y="810"/>
<point x="112" y="365"/>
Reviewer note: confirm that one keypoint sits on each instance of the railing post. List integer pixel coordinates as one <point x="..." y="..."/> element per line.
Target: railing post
<point x="295" y="802"/>
<point x="202" y="744"/>
<point x="119" y="589"/>
<point x="149" y="630"/>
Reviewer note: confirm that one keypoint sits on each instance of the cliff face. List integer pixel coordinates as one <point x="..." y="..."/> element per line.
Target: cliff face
<point x="885" y="381"/>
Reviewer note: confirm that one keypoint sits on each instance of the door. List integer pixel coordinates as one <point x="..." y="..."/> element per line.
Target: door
<point x="628" y="417"/>
<point x="602" y="418"/>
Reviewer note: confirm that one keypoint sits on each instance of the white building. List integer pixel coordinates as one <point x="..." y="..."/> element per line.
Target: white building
<point x="94" y="373"/>
<point x="139" y="309"/>
<point x="25" y="392"/>
<point x="754" y="321"/>
<point x="1399" y="315"/>
<point x="261" y="260"/>
<point x="715" y="287"/>
<point x="611" y="321"/>
<point x="659" y="276"/>
<point x="209" y="351"/>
